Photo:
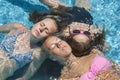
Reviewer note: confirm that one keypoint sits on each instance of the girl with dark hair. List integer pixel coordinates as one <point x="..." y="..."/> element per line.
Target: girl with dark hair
<point x="84" y="33"/>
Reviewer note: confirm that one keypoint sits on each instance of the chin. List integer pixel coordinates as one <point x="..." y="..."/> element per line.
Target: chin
<point x="68" y="52"/>
<point x="34" y="36"/>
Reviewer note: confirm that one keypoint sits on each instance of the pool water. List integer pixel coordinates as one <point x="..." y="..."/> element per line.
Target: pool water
<point x="107" y="13"/>
<point x="104" y="12"/>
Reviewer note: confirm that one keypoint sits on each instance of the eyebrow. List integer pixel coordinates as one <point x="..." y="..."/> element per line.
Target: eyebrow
<point x="46" y="28"/>
<point x="44" y="25"/>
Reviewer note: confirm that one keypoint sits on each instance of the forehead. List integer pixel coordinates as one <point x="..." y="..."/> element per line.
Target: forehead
<point x="50" y="40"/>
<point x="49" y="21"/>
<point x="50" y="24"/>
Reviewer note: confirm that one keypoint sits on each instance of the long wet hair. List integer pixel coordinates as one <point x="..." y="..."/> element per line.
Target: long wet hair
<point x="79" y="14"/>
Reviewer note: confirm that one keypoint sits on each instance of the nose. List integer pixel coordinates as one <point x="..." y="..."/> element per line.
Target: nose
<point x="59" y="44"/>
<point x="42" y="29"/>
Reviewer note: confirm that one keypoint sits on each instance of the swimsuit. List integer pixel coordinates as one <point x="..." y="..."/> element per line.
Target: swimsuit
<point x="99" y="64"/>
<point x="7" y="45"/>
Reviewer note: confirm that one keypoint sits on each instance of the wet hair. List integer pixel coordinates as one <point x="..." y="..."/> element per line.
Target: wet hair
<point x="79" y="14"/>
<point x="61" y="19"/>
<point x="97" y="41"/>
<point x="76" y="48"/>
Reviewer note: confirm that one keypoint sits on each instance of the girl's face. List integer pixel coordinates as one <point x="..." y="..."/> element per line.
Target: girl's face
<point x="80" y="34"/>
<point x="58" y="47"/>
<point x="44" y="28"/>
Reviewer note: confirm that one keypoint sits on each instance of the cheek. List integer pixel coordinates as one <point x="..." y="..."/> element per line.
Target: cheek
<point x="36" y="26"/>
<point x="68" y="51"/>
<point x="59" y="53"/>
<point x="43" y="34"/>
<point x="55" y="51"/>
<point x="53" y="29"/>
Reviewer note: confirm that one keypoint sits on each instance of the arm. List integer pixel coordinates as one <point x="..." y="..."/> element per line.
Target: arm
<point x="11" y="26"/>
<point x="52" y="3"/>
<point x="34" y="65"/>
<point x="7" y="66"/>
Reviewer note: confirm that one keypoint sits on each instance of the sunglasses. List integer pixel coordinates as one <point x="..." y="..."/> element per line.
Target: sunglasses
<point x="76" y="32"/>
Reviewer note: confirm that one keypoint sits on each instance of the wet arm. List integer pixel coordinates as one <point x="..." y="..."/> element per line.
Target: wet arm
<point x="34" y="66"/>
<point x="7" y="68"/>
<point x="11" y="26"/>
<point x="52" y="3"/>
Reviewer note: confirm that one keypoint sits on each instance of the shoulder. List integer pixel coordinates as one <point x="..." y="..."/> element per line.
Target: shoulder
<point x="96" y="51"/>
<point x="18" y="31"/>
<point x="18" y="28"/>
<point x="17" y="25"/>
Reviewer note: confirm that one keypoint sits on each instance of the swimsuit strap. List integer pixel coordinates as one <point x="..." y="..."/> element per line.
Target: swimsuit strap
<point x="99" y="64"/>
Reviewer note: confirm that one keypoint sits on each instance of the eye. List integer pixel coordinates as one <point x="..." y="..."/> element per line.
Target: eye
<point x="46" y="31"/>
<point x="58" y="40"/>
<point x="87" y="33"/>
<point x="42" y="24"/>
<point x="76" y="31"/>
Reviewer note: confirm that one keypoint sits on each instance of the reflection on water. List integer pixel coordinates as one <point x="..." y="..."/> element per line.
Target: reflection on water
<point x="106" y="12"/>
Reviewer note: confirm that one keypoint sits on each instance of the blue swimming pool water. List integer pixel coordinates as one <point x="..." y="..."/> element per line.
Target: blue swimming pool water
<point x="107" y="13"/>
<point x="104" y="12"/>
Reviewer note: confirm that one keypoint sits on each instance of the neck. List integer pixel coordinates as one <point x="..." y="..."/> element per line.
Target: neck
<point x="70" y="59"/>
